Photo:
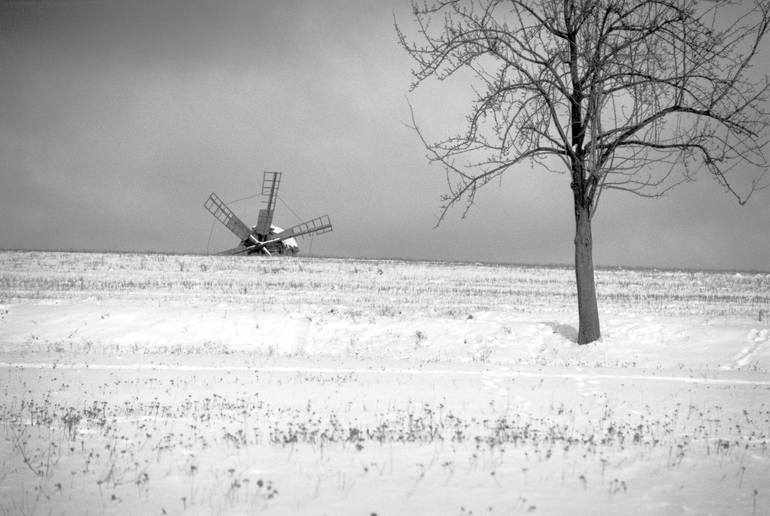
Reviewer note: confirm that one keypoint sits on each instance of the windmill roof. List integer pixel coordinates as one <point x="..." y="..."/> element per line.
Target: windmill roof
<point x="289" y="242"/>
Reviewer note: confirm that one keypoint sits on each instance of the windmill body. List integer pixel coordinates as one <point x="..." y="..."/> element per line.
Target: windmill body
<point x="264" y="237"/>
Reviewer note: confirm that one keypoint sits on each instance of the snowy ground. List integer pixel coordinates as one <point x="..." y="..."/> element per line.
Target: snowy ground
<point x="151" y="384"/>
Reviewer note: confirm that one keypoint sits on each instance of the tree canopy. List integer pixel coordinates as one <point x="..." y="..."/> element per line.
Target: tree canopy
<point x="628" y="95"/>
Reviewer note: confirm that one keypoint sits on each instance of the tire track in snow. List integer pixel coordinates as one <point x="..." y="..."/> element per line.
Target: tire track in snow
<point x="512" y="373"/>
<point x="757" y="339"/>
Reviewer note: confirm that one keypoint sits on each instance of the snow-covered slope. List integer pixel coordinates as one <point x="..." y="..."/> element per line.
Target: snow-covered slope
<point x="152" y="383"/>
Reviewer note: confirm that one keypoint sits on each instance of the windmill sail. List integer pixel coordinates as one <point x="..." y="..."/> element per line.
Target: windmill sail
<point x="270" y="183"/>
<point x="318" y="225"/>
<point x="236" y="250"/>
<point x="225" y="215"/>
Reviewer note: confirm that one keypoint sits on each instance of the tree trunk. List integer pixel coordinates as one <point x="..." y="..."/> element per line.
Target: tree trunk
<point x="588" y="310"/>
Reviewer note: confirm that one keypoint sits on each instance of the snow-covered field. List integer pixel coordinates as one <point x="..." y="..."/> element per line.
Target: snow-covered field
<point x="151" y="384"/>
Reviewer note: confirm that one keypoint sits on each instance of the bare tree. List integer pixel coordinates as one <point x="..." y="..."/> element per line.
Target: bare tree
<point x="631" y="95"/>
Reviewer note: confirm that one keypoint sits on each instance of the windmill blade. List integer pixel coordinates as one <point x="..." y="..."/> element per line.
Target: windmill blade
<point x="236" y="250"/>
<point x="318" y="225"/>
<point x="225" y="215"/>
<point x="270" y="183"/>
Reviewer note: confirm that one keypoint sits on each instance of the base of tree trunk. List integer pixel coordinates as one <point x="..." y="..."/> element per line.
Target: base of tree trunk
<point x="588" y="310"/>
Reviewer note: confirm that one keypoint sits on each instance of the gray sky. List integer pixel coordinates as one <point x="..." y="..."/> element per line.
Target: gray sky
<point x="118" y="118"/>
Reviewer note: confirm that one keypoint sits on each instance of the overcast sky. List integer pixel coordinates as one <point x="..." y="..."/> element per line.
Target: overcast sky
<point x="118" y="118"/>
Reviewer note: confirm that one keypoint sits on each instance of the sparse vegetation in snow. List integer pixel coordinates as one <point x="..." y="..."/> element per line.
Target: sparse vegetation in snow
<point x="184" y="384"/>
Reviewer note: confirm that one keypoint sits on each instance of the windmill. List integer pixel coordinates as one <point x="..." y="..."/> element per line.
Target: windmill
<point x="265" y="238"/>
